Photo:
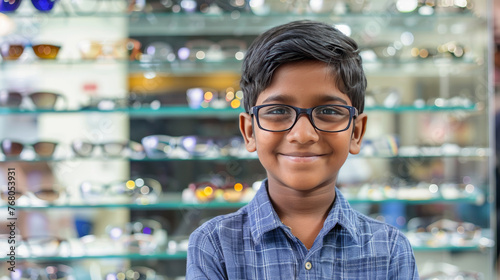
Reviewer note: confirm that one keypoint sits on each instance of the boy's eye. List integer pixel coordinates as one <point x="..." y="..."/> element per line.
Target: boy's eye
<point x="329" y="110"/>
<point x="276" y="110"/>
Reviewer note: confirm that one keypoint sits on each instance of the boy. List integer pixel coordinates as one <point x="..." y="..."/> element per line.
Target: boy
<point x="304" y="87"/>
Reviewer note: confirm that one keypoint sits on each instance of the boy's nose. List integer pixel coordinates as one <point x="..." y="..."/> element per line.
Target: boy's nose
<point x="303" y="131"/>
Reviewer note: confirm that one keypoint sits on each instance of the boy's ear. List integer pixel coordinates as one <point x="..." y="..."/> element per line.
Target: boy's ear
<point x="246" y="128"/>
<point x="358" y="133"/>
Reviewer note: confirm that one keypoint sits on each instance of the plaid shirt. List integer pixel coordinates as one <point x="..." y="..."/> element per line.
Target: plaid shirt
<point x="252" y="243"/>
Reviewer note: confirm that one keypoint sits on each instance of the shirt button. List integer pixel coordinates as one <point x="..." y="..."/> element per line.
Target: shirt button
<point x="308" y="265"/>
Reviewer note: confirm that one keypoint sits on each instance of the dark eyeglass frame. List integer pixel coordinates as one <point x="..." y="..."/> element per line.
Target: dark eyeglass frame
<point x="353" y="113"/>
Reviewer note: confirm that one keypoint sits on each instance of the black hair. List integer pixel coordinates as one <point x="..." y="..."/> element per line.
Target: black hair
<point x="302" y="41"/>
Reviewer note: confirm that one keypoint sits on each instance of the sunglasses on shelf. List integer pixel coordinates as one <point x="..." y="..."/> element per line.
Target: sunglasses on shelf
<point x="40" y="100"/>
<point x="42" y="196"/>
<point x="40" y="5"/>
<point x="14" y="149"/>
<point x="42" y="51"/>
<point x="109" y="149"/>
<point x="164" y="146"/>
<point x="119" y="49"/>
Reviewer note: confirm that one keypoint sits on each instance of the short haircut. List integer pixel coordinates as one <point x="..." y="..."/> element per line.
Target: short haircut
<point x="303" y="41"/>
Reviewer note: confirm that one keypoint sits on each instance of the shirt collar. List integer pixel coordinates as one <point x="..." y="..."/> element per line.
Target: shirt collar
<point x="263" y="218"/>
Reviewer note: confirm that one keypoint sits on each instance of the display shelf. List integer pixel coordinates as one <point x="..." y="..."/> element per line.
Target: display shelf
<point x="169" y="24"/>
<point x="173" y="201"/>
<point x="464" y="153"/>
<point x="398" y="67"/>
<point x="183" y="111"/>
<point x="473" y="153"/>
<point x="135" y="256"/>
<point x="181" y="255"/>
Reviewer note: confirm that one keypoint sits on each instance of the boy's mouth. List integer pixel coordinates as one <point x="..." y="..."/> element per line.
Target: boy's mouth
<point x="301" y="157"/>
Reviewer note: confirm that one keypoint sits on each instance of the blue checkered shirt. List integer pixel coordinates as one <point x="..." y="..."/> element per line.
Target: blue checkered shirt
<point x="252" y="243"/>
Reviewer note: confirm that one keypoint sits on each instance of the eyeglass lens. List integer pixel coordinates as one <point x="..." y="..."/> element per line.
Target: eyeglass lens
<point x="12" y="52"/>
<point x="41" y="100"/>
<point x="40" y="5"/>
<point x="44" y="100"/>
<point x="282" y="117"/>
<point x="10" y="99"/>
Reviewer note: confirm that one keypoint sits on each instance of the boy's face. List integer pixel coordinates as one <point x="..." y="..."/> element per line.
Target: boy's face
<point x="302" y="158"/>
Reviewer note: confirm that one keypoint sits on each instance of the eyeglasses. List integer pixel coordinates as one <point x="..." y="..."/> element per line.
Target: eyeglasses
<point x="121" y="49"/>
<point x="42" y="196"/>
<point x="326" y="118"/>
<point x="164" y="146"/>
<point x="130" y="149"/>
<point x="42" y="51"/>
<point x="141" y="191"/>
<point x="41" y="5"/>
<point x="40" y="99"/>
<point x="14" y="149"/>
<point x="84" y="149"/>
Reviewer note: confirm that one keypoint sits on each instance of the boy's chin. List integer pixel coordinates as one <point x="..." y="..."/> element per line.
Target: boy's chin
<point x="302" y="184"/>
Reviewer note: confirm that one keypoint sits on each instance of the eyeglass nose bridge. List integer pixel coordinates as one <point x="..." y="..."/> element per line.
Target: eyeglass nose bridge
<point x="302" y="111"/>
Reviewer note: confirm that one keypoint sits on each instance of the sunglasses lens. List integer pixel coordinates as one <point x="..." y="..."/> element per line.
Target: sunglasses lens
<point x="43" y="5"/>
<point x="10" y="99"/>
<point x="11" y="52"/>
<point x="83" y="149"/>
<point x="113" y="149"/>
<point x="46" y="51"/>
<point x="44" y="100"/>
<point x="9" y="5"/>
<point x="47" y="195"/>
<point x="11" y="149"/>
<point x="12" y="194"/>
<point x="44" y="149"/>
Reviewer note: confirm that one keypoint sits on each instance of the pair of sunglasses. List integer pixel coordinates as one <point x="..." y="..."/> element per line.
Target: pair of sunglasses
<point x="109" y="149"/>
<point x="47" y="195"/>
<point x="40" y="5"/>
<point x="42" y="51"/>
<point x="40" y="99"/>
<point x="164" y="146"/>
<point x="14" y="149"/>
<point x="120" y="49"/>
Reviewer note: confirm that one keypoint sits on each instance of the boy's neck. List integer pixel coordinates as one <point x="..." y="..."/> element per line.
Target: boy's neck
<point x="292" y="204"/>
<point x="304" y="212"/>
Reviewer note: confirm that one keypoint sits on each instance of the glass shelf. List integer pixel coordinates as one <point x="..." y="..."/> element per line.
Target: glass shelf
<point x="237" y="23"/>
<point x="183" y="111"/>
<point x="400" y="67"/>
<point x="181" y="255"/>
<point x="173" y="201"/>
<point x="463" y="153"/>
<point x="159" y="256"/>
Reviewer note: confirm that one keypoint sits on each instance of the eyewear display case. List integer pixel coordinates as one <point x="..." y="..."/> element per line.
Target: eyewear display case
<point x="118" y="127"/>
